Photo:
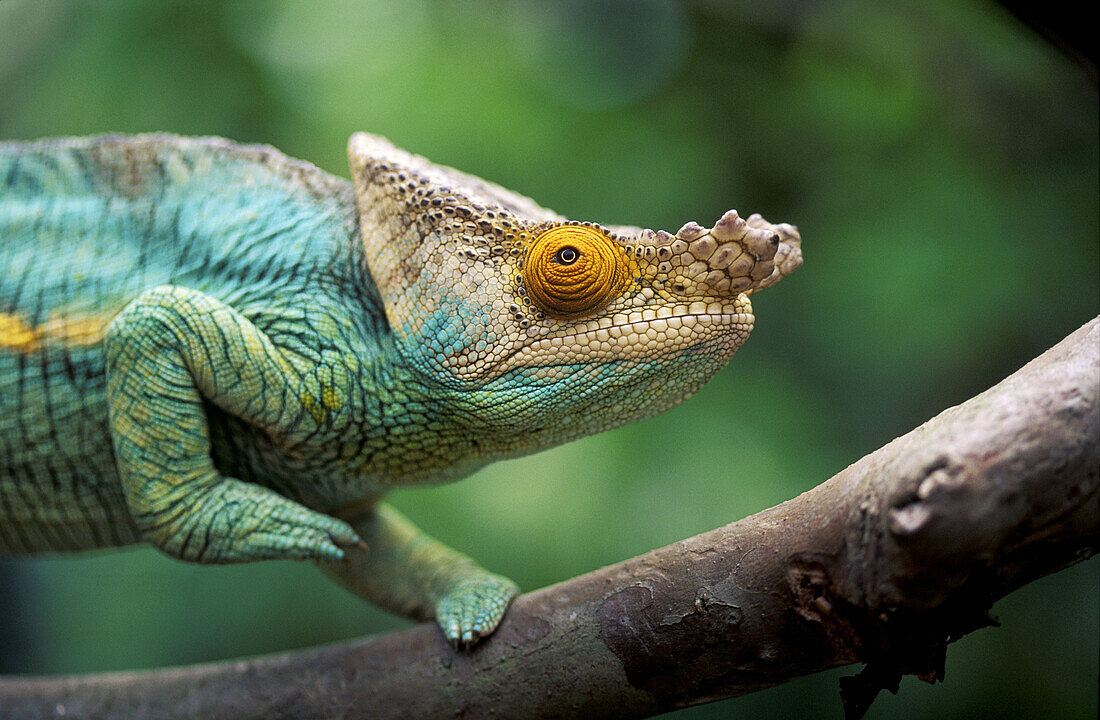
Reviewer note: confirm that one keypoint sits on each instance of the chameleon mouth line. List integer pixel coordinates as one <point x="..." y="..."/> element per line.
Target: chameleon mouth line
<point x="649" y="332"/>
<point x="685" y="325"/>
<point x="660" y="319"/>
<point x="715" y="311"/>
<point x="652" y="338"/>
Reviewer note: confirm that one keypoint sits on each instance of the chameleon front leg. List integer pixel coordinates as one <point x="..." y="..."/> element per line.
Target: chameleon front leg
<point x="408" y="572"/>
<point x="166" y="351"/>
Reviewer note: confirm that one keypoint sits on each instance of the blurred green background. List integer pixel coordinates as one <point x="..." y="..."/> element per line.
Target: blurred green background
<point x="940" y="160"/>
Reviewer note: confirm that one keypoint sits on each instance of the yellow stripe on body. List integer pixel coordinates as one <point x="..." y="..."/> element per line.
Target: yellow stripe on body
<point x="77" y="330"/>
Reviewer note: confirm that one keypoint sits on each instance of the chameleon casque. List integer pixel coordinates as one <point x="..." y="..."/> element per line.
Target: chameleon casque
<point x="233" y="355"/>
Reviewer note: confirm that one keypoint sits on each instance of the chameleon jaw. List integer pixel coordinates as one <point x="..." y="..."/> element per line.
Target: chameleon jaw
<point x="638" y="334"/>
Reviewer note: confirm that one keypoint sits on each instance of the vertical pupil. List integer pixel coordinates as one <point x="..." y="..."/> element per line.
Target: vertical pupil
<point x="567" y="255"/>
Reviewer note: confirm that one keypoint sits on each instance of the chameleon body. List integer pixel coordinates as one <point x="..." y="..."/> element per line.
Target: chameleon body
<point x="233" y="355"/>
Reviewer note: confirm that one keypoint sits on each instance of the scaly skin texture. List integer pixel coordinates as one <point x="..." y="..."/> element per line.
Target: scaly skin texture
<point x="233" y="355"/>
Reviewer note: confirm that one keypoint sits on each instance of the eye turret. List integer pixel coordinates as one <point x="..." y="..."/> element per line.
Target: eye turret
<point x="574" y="270"/>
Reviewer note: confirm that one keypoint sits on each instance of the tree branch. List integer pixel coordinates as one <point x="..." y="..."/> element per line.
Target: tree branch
<point x="885" y="563"/>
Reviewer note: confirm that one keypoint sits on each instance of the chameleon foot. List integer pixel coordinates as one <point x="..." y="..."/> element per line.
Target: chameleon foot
<point x="292" y="531"/>
<point x="232" y="521"/>
<point x="472" y="607"/>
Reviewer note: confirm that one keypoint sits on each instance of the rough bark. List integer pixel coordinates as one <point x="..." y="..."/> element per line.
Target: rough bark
<point x="885" y="563"/>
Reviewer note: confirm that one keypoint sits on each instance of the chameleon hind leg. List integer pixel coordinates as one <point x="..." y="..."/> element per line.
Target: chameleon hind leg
<point x="408" y="572"/>
<point x="166" y="351"/>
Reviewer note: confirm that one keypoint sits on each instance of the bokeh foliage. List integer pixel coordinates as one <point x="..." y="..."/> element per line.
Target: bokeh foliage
<point x="941" y="161"/>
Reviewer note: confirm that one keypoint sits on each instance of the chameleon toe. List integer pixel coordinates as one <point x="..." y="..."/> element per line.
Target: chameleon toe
<point x="473" y="607"/>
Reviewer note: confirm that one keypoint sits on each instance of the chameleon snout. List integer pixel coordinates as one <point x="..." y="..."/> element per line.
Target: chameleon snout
<point x="733" y="256"/>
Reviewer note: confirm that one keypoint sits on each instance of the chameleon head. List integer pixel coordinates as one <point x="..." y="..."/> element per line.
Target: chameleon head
<point x="590" y="293"/>
<point x="505" y="302"/>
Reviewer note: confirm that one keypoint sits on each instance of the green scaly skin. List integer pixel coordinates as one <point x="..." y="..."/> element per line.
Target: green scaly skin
<point x="233" y="355"/>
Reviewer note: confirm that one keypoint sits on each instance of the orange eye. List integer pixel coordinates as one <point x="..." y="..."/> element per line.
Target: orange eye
<point x="572" y="270"/>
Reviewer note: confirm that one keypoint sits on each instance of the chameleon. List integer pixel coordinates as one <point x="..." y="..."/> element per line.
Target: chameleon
<point x="233" y="355"/>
